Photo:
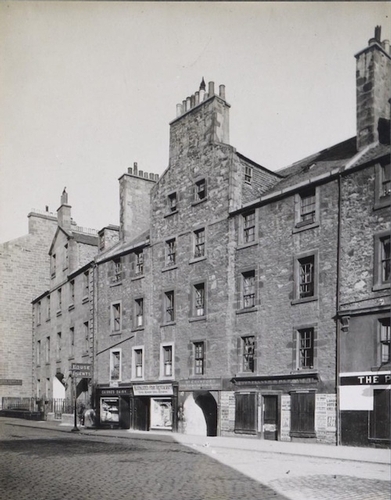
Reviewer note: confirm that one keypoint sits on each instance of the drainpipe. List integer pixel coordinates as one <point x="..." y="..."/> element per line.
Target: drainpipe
<point x="337" y="303"/>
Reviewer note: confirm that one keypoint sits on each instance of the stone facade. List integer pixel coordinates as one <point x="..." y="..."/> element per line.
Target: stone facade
<point x="64" y="315"/>
<point x="233" y="299"/>
<point x="24" y="273"/>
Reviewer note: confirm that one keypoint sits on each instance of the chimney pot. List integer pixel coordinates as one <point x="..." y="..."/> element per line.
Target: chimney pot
<point x="188" y="104"/>
<point x="184" y="106"/>
<point x="141" y="173"/>
<point x="178" y="110"/>
<point x="192" y="101"/>
<point x="386" y="46"/>
<point x="211" y="88"/>
<point x="222" y="91"/>
<point x="197" y="98"/>
<point x="156" y="177"/>
<point x="130" y="171"/>
<point x="135" y="168"/>
<point x="151" y="177"/>
<point x="47" y="208"/>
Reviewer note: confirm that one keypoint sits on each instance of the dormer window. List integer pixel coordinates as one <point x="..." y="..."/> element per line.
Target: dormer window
<point x="248" y="174"/>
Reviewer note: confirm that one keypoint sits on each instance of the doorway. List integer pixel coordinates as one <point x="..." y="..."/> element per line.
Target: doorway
<point x="141" y="413"/>
<point x="270" y="417"/>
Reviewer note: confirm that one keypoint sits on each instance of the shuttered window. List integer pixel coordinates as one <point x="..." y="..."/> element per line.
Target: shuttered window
<point x="246" y="413"/>
<point x="303" y="414"/>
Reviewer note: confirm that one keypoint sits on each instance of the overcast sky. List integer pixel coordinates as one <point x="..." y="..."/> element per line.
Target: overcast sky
<point x="87" y="88"/>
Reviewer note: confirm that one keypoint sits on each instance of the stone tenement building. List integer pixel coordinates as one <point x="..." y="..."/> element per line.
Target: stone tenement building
<point x="63" y="319"/>
<point x="241" y="300"/>
<point x="23" y="274"/>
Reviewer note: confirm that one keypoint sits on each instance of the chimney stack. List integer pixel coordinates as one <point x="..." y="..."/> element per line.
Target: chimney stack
<point x="64" y="212"/>
<point x="373" y="89"/>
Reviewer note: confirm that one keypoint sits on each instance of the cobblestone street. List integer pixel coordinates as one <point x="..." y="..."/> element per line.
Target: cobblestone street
<point x="41" y="462"/>
<point x="48" y="465"/>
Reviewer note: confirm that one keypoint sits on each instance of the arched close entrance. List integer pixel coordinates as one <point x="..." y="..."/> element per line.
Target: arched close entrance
<point x="208" y="405"/>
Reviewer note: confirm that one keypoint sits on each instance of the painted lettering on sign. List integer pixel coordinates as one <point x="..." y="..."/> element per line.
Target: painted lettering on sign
<point x="153" y="390"/>
<point x="378" y="379"/>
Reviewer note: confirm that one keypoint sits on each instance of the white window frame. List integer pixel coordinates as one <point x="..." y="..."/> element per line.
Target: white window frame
<point x="302" y="275"/>
<point x="138" y="370"/>
<point x="164" y="364"/>
<point x="139" y="319"/>
<point x="248" y="228"/>
<point x="248" y="174"/>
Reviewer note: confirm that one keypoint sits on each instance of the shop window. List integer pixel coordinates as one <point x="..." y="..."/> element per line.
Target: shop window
<point x="199" y="306"/>
<point x="138" y="363"/>
<point x="169" y="307"/>
<point x="248" y="174"/>
<point x="380" y="424"/>
<point x="199" y="243"/>
<point x="303" y="414"/>
<point x="248" y="227"/>
<point x="382" y="260"/>
<point x="139" y="313"/>
<point x="246" y="413"/>
<point x="248" y="354"/>
<point x="58" y="350"/>
<point x="199" y="358"/>
<point x="115" y="365"/>
<point x="172" y="203"/>
<point x="200" y="190"/>
<point x="166" y="361"/>
<point x="384" y="337"/>
<point x="171" y="252"/>
<point x="306" y="277"/>
<point x="139" y="264"/>
<point x="116" y="317"/>
<point x="248" y="289"/>
<point x="383" y="185"/>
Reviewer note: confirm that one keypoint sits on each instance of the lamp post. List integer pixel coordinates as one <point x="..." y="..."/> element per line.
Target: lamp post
<point x="75" y="427"/>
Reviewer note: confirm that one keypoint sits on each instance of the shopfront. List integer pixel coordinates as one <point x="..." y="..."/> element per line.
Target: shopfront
<point x="138" y="406"/>
<point x="365" y="408"/>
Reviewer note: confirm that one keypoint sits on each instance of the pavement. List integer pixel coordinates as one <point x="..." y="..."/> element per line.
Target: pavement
<point x="350" y="453"/>
<point x="298" y="471"/>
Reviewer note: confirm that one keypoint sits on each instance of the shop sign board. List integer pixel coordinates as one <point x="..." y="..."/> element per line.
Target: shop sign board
<point x="366" y="379"/>
<point x="153" y="390"/>
<point x="82" y="370"/>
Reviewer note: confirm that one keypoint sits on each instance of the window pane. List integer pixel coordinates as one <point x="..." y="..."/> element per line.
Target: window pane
<point x="306" y="277"/>
<point x="385" y="259"/>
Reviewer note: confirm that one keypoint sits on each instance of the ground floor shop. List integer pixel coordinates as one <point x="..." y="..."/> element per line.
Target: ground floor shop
<point x="137" y="406"/>
<point x="365" y="408"/>
<point x="284" y="408"/>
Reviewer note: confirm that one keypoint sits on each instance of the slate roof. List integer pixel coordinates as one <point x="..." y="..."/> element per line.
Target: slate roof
<point x="317" y="164"/>
<point x="123" y="247"/>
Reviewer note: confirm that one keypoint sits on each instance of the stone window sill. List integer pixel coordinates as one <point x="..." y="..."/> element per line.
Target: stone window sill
<point x="302" y="227"/>
<point x="197" y="259"/>
<point x="139" y="277"/>
<point x="380" y="286"/>
<point x="247" y="310"/>
<point x="170" y="268"/>
<point x="171" y="213"/>
<point x="169" y="323"/>
<point x="198" y="202"/>
<point x="138" y="329"/>
<point x="304" y="300"/>
<point x="193" y="319"/>
<point x="241" y="246"/>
